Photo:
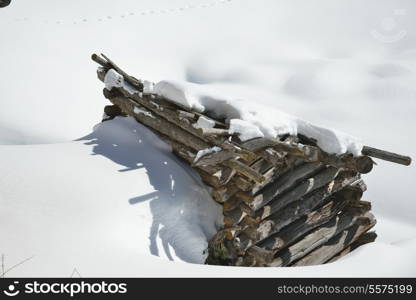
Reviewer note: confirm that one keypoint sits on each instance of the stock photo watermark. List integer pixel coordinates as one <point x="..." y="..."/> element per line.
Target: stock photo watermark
<point x="71" y="289"/>
<point x="390" y="30"/>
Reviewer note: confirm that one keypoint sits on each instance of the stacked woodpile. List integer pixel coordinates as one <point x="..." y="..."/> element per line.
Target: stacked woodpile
<point x="285" y="201"/>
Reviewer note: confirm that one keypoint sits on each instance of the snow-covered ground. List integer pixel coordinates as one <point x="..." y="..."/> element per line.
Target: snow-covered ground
<point x="112" y="201"/>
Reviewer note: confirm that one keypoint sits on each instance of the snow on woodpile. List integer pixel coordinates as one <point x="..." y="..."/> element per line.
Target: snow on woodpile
<point x="290" y="191"/>
<point x="252" y="120"/>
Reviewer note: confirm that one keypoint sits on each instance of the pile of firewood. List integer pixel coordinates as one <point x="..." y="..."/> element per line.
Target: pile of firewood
<point x="285" y="201"/>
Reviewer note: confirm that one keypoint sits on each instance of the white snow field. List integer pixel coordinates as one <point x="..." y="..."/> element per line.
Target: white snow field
<point x="81" y="199"/>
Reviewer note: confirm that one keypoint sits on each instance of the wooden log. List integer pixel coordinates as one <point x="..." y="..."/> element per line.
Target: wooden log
<point x="235" y="216"/>
<point x="219" y="175"/>
<point x="265" y="169"/>
<point x="295" y="210"/>
<point x="283" y="183"/>
<point x="261" y="165"/>
<point x="300" y="190"/>
<point x="223" y="194"/>
<point x="174" y="132"/>
<point x="159" y="124"/>
<point x="385" y="155"/>
<point x="215" y="131"/>
<point x="231" y="204"/>
<point x="174" y="113"/>
<point x="101" y="61"/>
<point x="215" y="158"/>
<point x="259" y="144"/>
<point x="257" y="257"/>
<point x="244" y="170"/>
<point x="210" y="180"/>
<point x="275" y="158"/>
<point x="177" y="133"/>
<point x="363" y="164"/>
<point x="191" y="117"/>
<point x="307" y="203"/>
<point x="223" y="179"/>
<point x="275" y="173"/>
<point x="311" y="220"/>
<point x="338" y="242"/>
<point x="314" y="239"/>
<point x="363" y="239"/>
<point x="312" y="154"/>
<point x="111" y="65"/>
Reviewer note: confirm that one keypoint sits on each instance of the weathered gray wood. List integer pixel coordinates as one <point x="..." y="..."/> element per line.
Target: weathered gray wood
<point x="173" y="114"/>
<point x="215" y="131"/>
<point x="312" y="154"/>
<point x="170" y="112"/>
<point x="338" y="242"/>
<point x="275" y="173"/>
<point x="295" y="210"/>
<point x="130" y="79"/>
<point x="188" y="154"/>
<point x="224" y="180"/>
<point x="101" y="61"/>
<point x="107" y="63"/>
<point x="385" y="155"/>
<point x="256" y="145"/>
<point x="275" y="158"/>
<point x="283" y="183"/>
<point x="244" y="170"/>
<point x="314" y="239"/>
<point x="161" y="125"/>
<point x="300" y="190"/>
<point x="307" y="203"/>
<point x="214" y="158"/>
<point x="187" y="115"/>
<point x="311" y="220"/>
<point x="178" y="133"/>
<point x="363" y="239"/>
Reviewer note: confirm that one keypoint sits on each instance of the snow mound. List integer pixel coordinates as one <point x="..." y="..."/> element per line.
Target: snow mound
<point x="117" y="194"/>
<point x="252" y="120"/>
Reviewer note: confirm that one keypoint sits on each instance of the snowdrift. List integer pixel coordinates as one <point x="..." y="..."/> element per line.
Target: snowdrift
<point x="63" y="208"/>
